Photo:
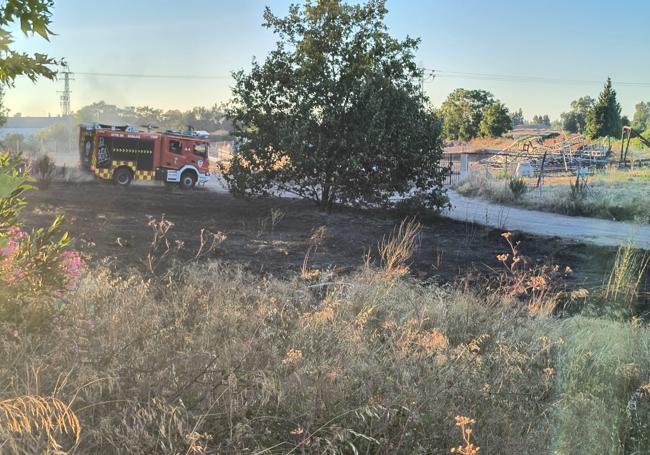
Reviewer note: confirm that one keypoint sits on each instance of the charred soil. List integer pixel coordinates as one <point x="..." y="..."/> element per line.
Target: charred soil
<point x="274" y="235"/>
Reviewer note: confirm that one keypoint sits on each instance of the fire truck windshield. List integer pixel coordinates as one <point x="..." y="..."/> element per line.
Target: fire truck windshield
<point x="201" y="149"/>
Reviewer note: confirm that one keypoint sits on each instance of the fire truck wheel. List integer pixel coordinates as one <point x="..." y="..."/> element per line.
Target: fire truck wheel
<point x="188" y="180"/>
<point x="123" y="176"/>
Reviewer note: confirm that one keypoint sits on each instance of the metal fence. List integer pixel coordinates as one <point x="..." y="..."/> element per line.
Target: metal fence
<point x="450" y="163"/>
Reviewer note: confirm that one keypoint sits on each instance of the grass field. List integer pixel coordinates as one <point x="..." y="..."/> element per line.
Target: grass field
<point x="611" y="194"/>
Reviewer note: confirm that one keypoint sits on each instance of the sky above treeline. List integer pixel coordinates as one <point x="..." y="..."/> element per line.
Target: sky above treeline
<point x="537" y="56"/>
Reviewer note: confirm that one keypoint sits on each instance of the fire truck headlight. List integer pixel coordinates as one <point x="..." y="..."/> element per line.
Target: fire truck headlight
<point x="200" y="163"/>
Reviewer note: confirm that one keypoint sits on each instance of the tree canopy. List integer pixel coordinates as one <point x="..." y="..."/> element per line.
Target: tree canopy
<point x="541" y="120"/>
<point x="517" y="118"/>
<point x="462" y="113"/>
<point x="641" y="118"/>
<point x="605" y="117"/>
<point x="496" y="120"/>
<point x="575" y="120"/>
<point x="335" y="113"/>
<point x="209" y="119"/>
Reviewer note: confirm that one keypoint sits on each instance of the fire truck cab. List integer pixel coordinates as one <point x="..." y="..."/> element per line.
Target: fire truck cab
<point x="122" y="154"/>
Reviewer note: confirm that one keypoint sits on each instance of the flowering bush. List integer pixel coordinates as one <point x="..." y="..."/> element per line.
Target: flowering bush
<point x="32" y="264"/>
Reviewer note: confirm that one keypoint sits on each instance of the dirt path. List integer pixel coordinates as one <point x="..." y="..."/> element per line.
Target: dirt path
<point x="592" y="230"/>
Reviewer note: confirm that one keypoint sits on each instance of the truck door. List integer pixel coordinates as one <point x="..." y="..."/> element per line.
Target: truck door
<point x="172" y="153"/>
<point x="200" y="156"/>
<point x="191" y="157"/>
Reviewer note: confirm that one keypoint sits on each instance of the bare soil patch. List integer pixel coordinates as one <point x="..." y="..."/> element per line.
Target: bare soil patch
<point x="108" y="221"/>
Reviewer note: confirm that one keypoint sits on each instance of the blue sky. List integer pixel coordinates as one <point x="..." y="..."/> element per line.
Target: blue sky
<point x="572" y="45"/>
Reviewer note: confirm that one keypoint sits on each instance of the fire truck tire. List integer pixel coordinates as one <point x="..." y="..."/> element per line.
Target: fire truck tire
<point x="123" y="176"/>
<point x="188" y="180"/>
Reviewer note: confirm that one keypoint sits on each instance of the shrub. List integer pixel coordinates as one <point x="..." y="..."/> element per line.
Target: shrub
<point x="517" y="186"/>
<point x="578" y="189"/>
<point x="44" y="168"/>
<point x="32" y="264"/>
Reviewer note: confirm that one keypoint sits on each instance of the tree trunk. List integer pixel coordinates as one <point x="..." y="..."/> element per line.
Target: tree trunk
<point x="325" y="197"/>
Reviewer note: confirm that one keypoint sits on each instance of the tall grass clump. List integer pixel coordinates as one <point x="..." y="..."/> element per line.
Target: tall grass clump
<point x="396" y="250"/>
<point x="603" y="383"/>
<point x="627" y="273"/>
<point x="22" y="417"/>
<point x="603" y="377"/>
<point x="483" y="184"/>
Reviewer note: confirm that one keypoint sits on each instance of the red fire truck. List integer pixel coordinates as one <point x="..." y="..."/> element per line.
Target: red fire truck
<point x="123" y="154"/>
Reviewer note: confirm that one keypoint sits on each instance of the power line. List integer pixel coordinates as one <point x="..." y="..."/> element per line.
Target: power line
<point x="527" y="79"/>
<point x="433" y="74"/>
<point x="153" y="76"/>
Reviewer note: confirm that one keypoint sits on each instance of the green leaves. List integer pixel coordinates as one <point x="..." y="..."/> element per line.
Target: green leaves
<point x="641" y="119"/>
<point x="463" y="111"/>
<point x="604" y="119"/>
<point x="575" y="120"/>
<point x="9" y="184"/>
<point x="335" y="113"/>
<point x="34" y="17"/>
<point x="30" y="262"/>
<point x="496" y="120"/>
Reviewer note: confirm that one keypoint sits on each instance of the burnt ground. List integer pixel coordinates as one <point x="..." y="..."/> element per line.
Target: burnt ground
<point x="107" y="221"/>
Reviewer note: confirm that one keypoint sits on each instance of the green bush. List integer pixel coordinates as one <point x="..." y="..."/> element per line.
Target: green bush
<point x="518" y="186"/>
<point x="44" y="168"/>
<point x="32" y="264"/>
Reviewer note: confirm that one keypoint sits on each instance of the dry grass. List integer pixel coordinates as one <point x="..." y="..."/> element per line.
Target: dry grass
<point x="25" y="417"/>
<point x="618" y="195"/>
<point x="209" y="359"/>
<point x="626" y="275"/>
<point x="396" y="250"/>
<point x="219" y="360"/>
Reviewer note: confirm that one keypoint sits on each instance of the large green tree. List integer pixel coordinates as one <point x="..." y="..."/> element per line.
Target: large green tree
<point x="575" y="120"/>
<point x="496" y="120"/>
<point x="641" y="119"/>
<point x="335" y="113"/>
<point x="462" y="113"/>
<point x="605" y="117"/>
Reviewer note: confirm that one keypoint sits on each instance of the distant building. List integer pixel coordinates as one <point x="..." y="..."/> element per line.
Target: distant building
<point x="28" y="126"/>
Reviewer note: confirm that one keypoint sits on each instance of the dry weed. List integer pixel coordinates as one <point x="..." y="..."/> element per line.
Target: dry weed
<point x="30" y="414"/>
<point x="467" y="448"/>
<point x="396" y="250"/>
<point x="540" y="287"/>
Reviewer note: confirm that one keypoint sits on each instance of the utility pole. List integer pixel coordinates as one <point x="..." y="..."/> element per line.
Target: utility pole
<point x="66" y="112"/>
<point x="65" y="94"/>
<point x="425" y="76"/>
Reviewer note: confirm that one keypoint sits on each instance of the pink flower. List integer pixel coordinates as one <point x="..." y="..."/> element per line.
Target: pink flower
<point x="12" y="238"/>
<point x="71" y="265"/>
<point x="11" y="273"/>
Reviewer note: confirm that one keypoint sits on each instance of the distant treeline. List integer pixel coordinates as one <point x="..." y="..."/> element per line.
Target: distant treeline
<point x="211" y="119"/>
